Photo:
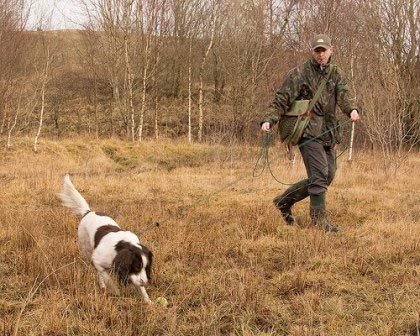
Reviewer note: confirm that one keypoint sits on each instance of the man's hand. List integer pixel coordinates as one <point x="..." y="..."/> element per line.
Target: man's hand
<point x="354" y="115"/>
<point x="265" y="127"/>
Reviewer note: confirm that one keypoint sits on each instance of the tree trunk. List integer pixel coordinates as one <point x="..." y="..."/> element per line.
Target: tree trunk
<point x="200" y="90"/>
<point x="156" y="102"/>
<point x="96" y="107"/>
<point x="3" y="122"/>
<point x="9" y="133"/>
<point x="41" y="115"/>
<point x="130" y="80"/>
<point x="143" y="96"/>
<point x="189" y="93"/>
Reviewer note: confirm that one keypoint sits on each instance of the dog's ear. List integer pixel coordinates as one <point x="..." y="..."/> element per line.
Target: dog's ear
<point x="149" y="256"/>
<point x="122" y="265"/>
<point x="137" y="262"/>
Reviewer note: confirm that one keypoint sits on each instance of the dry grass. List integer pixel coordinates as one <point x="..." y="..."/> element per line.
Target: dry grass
<point x="227" y="265"/>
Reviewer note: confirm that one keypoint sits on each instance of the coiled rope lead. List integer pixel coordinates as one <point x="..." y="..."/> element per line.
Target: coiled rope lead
<point x="263" y="153"/>
<point x="265" y="148"/>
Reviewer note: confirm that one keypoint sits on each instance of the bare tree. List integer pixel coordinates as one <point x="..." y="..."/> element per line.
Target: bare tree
<point x="161" y="30"/>
<point x="14" y="122"/>
<point x="44" y="79"/>
<point x="213" y="14"/>
<point x="13" y="18"/>
<point x="105" y="20"/>
<point x="148" y="14"/>
<point x="148" y="66"/>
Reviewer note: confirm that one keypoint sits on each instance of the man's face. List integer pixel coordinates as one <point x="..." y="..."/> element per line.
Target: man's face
<point x="322" y="55"/>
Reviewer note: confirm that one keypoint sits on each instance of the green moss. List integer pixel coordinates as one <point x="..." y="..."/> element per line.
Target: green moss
<point x="120" y="158"/>
<point x="77" y="149"/>
<point x="175" y="156"/>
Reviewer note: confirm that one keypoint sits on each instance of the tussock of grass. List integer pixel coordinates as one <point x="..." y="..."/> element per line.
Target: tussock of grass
<point x="223" y="258"/>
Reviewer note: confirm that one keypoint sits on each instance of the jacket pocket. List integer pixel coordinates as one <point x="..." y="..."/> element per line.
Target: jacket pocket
<point x="286" y="126"/>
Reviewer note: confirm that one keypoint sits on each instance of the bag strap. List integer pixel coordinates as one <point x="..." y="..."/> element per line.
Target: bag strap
<point x="303" y="120"/>
<point x="320" y="89"/>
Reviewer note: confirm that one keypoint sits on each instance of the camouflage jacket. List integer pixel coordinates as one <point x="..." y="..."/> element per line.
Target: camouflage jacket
<point x="302" y="83"/>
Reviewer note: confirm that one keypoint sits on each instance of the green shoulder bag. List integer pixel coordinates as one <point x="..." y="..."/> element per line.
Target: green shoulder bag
<point x="293" y="122"/>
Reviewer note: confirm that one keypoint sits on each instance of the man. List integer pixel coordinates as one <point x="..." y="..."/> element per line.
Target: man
<point x="320" y="136"/>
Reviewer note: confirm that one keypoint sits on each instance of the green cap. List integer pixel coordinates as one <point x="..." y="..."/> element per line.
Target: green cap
<point x="321" y="40"/>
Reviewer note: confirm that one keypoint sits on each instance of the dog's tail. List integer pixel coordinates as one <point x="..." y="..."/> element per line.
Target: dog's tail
<point x="72" y="199"/>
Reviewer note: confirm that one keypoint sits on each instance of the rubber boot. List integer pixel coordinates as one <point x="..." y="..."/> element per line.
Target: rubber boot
<point x="319" y="215"/>
<point x="285" y="201"/>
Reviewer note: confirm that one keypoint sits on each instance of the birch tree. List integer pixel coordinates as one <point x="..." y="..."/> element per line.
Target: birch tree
<point x="213" y="14"/>
<point x="148" y="13"/>
<point x="44" y="79"/>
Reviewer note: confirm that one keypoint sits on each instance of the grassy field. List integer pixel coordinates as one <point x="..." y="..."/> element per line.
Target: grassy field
<point x="226" y="263"/>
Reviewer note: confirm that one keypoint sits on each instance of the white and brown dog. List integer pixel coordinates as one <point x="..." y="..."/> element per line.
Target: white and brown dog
<point x="110" y="249"/>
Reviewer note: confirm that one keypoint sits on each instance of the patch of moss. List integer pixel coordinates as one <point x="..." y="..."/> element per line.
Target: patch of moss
<point x="122" y="159"/>
<point x="77" y="149"/>
<point x="181" y="156"/>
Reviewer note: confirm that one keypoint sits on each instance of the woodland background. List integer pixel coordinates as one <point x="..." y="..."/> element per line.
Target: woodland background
<point x="154" y="108"/>
<point x="204" y="70"/>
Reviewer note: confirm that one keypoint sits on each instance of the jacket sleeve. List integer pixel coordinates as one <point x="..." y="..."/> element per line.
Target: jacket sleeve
<point x="285" y="96"/>
<point x="345" y="100"/>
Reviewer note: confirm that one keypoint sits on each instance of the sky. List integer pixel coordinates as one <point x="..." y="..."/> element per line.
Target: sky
<point x="65" y="14"/>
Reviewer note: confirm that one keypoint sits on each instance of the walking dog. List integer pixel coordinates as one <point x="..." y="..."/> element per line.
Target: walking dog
<point x="110" y="249"/>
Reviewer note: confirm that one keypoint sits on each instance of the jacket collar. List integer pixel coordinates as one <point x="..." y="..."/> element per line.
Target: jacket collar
<point x="318" y="68"/>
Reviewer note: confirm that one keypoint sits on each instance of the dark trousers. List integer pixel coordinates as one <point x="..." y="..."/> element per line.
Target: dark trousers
<point x="320" y="164"/>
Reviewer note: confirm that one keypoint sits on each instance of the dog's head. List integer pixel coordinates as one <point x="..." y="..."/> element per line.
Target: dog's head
<point x="133" y="264"/>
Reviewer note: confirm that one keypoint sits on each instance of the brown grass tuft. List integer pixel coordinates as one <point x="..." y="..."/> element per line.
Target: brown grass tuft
<point x="226" y="263"/>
